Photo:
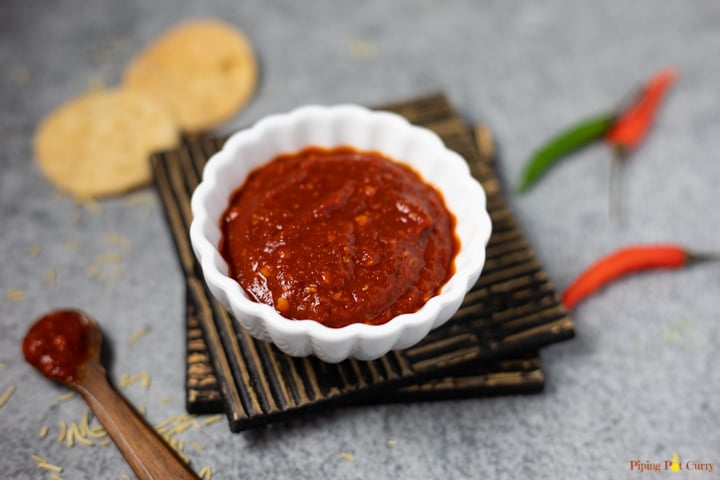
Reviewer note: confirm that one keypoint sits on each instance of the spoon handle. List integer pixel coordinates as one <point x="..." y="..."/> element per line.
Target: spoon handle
<point x="143" y="448"/>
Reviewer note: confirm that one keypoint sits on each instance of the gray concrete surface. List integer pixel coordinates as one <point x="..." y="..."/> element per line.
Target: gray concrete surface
<point x="641" y="380"/>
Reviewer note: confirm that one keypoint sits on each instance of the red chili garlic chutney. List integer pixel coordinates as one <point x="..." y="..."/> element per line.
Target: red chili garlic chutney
<point x="339" y="236"/>
<point x="58" y="344"/>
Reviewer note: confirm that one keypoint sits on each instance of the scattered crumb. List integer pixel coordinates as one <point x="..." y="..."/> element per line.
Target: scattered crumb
<point x="126" y="379"/>
<point x="6" y="395"/>
<point x="108" y="257"/>
<point x="678" y="332"/>
<point x="76" y="434"/>
<point x="124" y="477"/>
<point x="45" y="465"/>
<point x="97" y="83"/>
<point x="89" y="204"/>
<point x="205" y="473"/>
<point x="3" y="366"/>
<point x="166" y="400"/>
<point x="49" y="467"/>
<point x="93" y="271"/>
<point x="97" y="432"/>
<point x="211" y="420"/>
<point x="106" y="267"/>
<point x="181" y="428"/>
<point x="106" y="54"/>
<point x="71" y="244"/>
<point x="75" y="216"/>
<point x="137" y="335"/>
<point x="392" y="443"/>
<point x="71" y="433"/>
<point x="347" y="456"/>
<point x="20" y="75"/>
<point x="66" y="396"/>
<point x="138" y="198"/>
<point x="118" y="240"/>
<point x="671" y="337"/>
<point x="15" y="294"/>
<point x="50" y="276"/>
<point x="63" y="431"/>
<point x="173" y="426"/>
<point x="34" y="250"/>
<point x="143" y="200"/>
<point x="162" y="425"/>
<point x="361" y="48"/>
<point x="80" y="433"/>
<point x="85" y="424"/>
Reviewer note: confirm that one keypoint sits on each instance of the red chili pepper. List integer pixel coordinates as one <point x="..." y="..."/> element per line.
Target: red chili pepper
<point x="625" y="261"/>
<point x="632" y="126"/>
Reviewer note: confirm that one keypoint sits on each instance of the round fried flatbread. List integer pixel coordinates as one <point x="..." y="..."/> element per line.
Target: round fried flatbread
<point x="98" y="144"/>
<point x="204" y="70"/>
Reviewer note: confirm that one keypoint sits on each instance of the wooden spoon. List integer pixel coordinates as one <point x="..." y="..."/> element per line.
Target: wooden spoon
<point x="64" y="345"/>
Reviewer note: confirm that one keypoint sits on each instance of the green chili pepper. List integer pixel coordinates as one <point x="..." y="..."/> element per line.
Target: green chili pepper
<point x="570" y="139"/>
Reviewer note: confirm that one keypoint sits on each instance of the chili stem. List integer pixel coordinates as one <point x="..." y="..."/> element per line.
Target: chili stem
<point x="617" y="165"/>
<point x="694" y="257"/>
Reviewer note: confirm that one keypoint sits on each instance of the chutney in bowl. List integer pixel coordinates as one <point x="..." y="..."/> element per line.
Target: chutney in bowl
<point x="360" y="219"/>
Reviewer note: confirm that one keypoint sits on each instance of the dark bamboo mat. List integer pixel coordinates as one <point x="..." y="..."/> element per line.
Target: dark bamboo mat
<point x="520" y="375"/>
<point x="511" y="310"/>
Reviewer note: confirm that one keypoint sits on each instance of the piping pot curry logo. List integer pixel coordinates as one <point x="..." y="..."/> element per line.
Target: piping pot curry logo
<point x="674" y="465"/>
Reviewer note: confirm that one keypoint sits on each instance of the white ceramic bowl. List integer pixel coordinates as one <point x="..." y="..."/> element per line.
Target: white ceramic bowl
<point x="328" y="127"/>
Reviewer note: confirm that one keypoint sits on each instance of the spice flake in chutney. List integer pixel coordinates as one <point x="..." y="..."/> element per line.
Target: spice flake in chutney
<point x="339" y="236"/>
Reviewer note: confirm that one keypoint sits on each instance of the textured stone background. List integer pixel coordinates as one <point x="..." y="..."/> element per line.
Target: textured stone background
<point x="640" y="381"/>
